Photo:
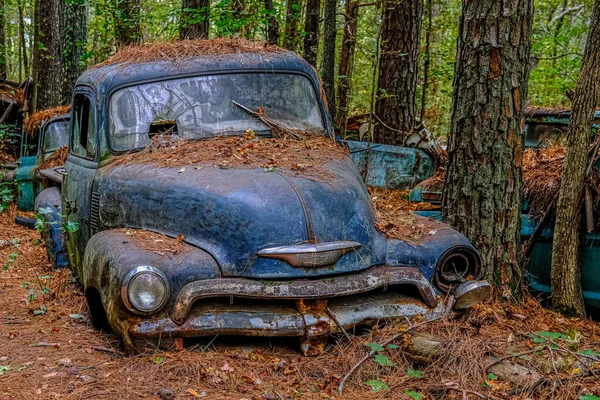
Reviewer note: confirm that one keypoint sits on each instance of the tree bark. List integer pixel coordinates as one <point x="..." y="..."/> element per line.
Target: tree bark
<point x="75" y="45"/>
<point x="567" y="296"/>
<point x="237" y="6"/>
<point x="346" y="64"/>
<point x="292" y="22"/>
<point x="328" y="63"/>
<point x="311" y="31"/>
<point x="127" y="22"/>
<point x="48" y="54"/>
<point x="398" y="70"/>
<point x="272" y="23"/>
<point x="482" y="194"/>
<point x="194" y="23"/>
<point x="22" y="43"/>
<point x="3" y="59"/>
<point x="426" y="59"/>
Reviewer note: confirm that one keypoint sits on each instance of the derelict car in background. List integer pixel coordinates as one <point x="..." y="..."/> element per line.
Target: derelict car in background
<point x="183" y="233"/>
<point x="545" y="130"/>
<point x="45" y="135"/>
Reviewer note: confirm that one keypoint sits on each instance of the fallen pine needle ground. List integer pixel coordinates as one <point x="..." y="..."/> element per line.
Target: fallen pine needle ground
<point x="48" y="350"/>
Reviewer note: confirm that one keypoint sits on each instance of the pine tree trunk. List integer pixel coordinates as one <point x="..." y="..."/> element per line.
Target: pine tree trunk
<point x="22" y="43"/>
<point x="272" y="23"/>
<point x="426" y="59"/>
<point x="194" y="23"/>
<point x="292" y="22"/>
<point x="398" y="70"/>
<point x="237" y="6"/>
<point x="75" y="41"/>
<point x="482" y="195"/>
<point x="567" y="294"/>
<point x="48" y="55"/>
<point x="328" y="64"/>
<point x="346" y="65"/>
<point x="127" y="22"/>
<point x="3" y="59"/>
<point x="311" y="30"/>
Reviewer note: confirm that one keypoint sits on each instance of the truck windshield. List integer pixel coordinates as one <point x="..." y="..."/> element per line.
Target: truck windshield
<point x="56" y="136"/>
<point x="204" y="106"/>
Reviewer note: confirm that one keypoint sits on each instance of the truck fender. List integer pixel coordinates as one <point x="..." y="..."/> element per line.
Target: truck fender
<point x="49" y="202"/>
<point x="111" y="254"/>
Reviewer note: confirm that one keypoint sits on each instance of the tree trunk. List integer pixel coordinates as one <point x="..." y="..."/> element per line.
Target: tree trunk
<point x="292" y="22"/>
<point x="482" y="194"/>
<point x="567" y="294"/>
<point x="311" y="31"/>
<point x="194" y="22"/>
<point x="426" y="59"/>
<point x="75" y="45"/>
<point x="237" y="6"/>
<point x="346" y="64"/>
<point x="328" y="64"/>
<point x="48" y="55"/>
<point x="3" y="60"/>
<point x="127" y="22"/>
<point x="22" y="43"/>
<point x="398" y="70"/>
<point x="272" y="23"/>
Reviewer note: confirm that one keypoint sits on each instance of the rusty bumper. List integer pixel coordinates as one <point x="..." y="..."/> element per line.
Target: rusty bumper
<point x="250" y="318"/>
<point x="325" y="288"/>
<point x="309" y="309"/>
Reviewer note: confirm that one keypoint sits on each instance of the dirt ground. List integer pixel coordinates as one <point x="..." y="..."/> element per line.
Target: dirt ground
<point x="48" y="350"/>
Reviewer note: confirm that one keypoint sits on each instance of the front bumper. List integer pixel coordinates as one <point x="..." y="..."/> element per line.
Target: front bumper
<point x="310" y="309"/>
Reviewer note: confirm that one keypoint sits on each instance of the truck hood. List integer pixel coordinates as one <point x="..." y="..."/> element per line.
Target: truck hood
<point x="235" y="214"/>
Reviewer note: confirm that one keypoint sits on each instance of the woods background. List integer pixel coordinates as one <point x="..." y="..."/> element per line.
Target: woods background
<point x="90" y="32"/>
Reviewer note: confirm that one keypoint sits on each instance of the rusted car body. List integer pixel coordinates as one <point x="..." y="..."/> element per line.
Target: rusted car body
<point x="544" y="127"/>
<point x="256" y="253"/>
<point x="36" y="149"/>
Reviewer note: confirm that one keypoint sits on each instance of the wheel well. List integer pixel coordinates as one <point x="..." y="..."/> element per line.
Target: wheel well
<point x="98" y="315"/>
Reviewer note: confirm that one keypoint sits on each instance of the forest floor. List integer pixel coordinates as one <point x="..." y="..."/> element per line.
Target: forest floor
<point x="48" y="350"/>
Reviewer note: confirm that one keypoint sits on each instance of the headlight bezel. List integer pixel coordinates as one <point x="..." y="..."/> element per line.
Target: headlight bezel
<point x="144" y="269"/>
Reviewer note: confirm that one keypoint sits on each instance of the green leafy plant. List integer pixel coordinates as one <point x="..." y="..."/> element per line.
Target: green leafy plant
<point x="12" y="257"/>
<point x="377" y="385"/>
<point x="413" y="395"/>
<point x="414" y="373"/>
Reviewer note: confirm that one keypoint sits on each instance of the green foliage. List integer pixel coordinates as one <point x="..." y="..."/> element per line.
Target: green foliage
<point x="414" y="373"/>
<point x="383" y="360"/>
<point x="413" y="395"/>
<point x="377" y="385"/>
<point x="589" y="397"/>
<point x="12" y="257"/>
<point x="375" y="346"/>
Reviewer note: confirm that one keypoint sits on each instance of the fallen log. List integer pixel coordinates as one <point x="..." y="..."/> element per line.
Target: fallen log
<point x="425" y="346"/>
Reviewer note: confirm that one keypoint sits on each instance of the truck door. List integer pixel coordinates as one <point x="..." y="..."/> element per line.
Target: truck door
<point x="80" y="170"/>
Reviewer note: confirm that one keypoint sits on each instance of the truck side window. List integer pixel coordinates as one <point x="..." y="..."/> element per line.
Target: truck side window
<point x="84" y="134"/>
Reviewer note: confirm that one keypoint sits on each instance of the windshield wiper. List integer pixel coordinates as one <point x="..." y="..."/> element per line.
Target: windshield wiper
<point x="275" y="127"/>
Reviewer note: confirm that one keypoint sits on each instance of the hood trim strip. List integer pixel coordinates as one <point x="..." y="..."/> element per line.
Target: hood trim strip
<point x="305" y="209"/>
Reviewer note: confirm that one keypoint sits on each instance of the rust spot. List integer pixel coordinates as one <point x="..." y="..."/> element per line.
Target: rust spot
<point x="494" y="64"/>
<point x="518" y="157"/>
<point x="517" y="99"/>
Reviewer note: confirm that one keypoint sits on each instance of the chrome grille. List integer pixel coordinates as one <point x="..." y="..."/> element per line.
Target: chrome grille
<point x="95" y="212"/>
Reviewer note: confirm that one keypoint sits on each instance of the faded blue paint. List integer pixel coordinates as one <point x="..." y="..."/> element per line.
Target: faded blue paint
<point x="391" y="167"/>
<point x="25" y="179"/>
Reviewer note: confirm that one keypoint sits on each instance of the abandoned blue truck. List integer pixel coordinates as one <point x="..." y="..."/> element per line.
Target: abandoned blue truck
<point x="38" y="145"/>
<point x="544" y="128"/>
<point x="174" y="242"/>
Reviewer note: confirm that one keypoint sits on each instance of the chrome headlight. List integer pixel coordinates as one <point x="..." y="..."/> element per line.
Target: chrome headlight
<point x="145" y="290"/>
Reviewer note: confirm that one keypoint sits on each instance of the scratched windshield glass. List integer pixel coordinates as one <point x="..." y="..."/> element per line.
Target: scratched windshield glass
<point x="205" y="106"/>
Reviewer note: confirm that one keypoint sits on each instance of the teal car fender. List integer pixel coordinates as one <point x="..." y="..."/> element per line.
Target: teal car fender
<point x="25" y="180"/>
